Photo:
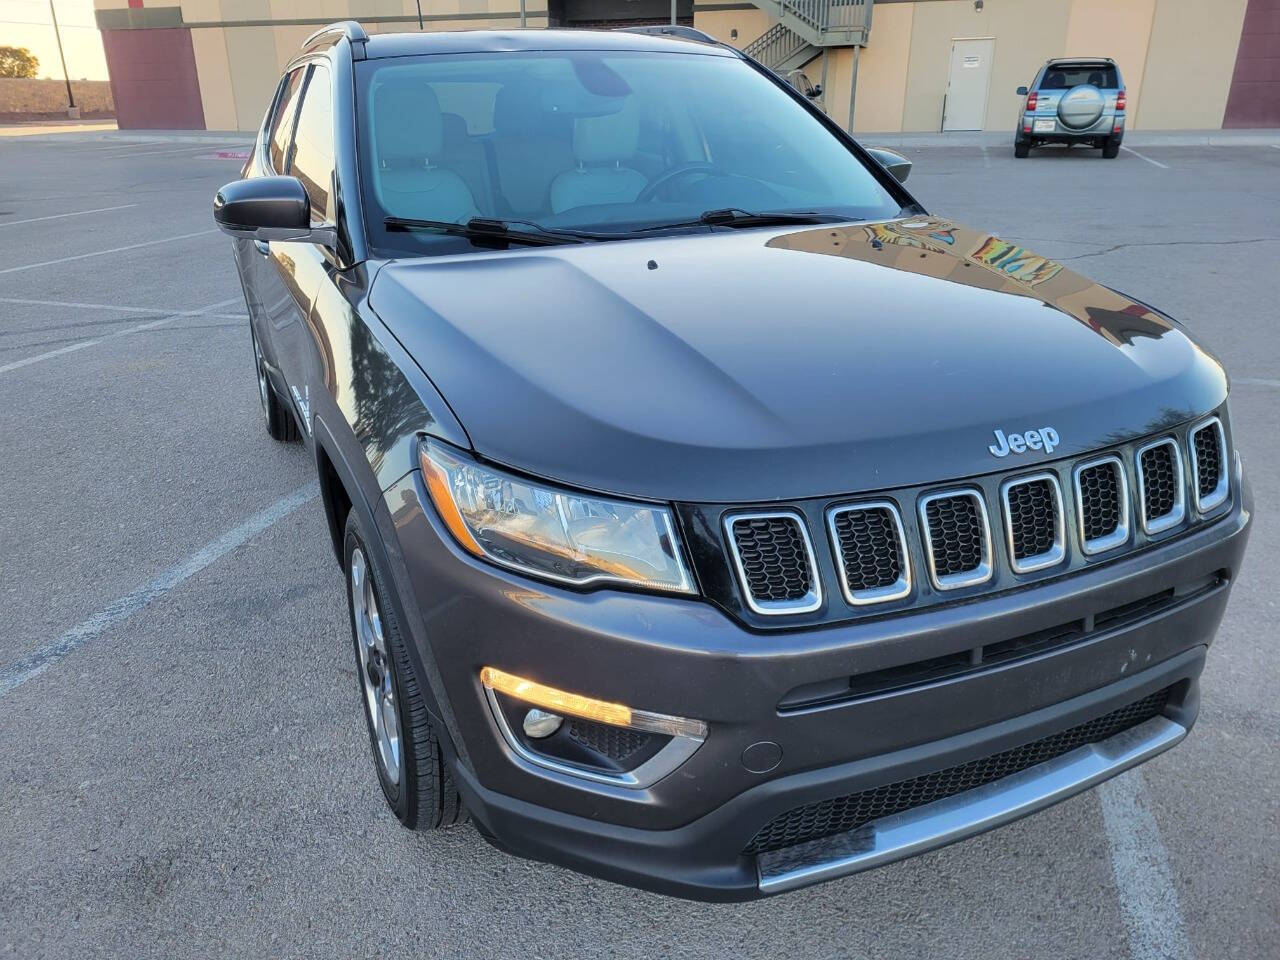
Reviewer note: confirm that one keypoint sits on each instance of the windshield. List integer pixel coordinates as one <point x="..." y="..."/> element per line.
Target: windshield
<point x="592" y="141"/>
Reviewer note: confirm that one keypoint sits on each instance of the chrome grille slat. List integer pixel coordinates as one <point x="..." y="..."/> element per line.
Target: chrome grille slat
<point x="872" y="559"/>
<point x="773" y="557"/>
<point x="957" y="537"/>
<point x="1034" y="525"/>
<point x="1161" y="485"/>
<point x="1102" y="504"/>
<point x="1207" y="444"/>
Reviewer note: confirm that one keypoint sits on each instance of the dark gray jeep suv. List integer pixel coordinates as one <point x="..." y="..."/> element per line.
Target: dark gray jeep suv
<point x="714" y="519"/>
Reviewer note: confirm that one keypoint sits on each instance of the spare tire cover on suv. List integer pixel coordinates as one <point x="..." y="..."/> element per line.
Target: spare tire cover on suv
<point x="1081" y="106"/>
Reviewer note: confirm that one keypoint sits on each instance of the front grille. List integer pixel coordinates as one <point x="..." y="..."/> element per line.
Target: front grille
<point x="1102" y="498"/>
<point x="957" y="538"/>
<point x="1033" y="518"/>
<point x="872" y="552"/>
<point x="841" y="814"/>
<point x="1160" y="483"/>
<point x="774" y="561"/>
<point x="616" y="743"/>
<point x="1208" y="463"/>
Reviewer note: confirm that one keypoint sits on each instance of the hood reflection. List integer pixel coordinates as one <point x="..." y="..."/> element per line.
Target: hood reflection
<point x="942" y="249"/>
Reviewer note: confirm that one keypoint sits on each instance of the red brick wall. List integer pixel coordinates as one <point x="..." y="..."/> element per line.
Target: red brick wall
<point x="1254" y="100"/>
<point x="153" y="79"/>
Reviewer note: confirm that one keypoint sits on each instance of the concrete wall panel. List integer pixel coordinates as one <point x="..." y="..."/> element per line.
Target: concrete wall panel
<point x="883" y="68"/>
<point x="721" y="24"/>
<point x="1121" y="31"/>
<point x="153" y="79"/>
<point x="1254" y="100"/>
<point x="214" y="71"/>
<point x="255" y="71"/>
<point x="1027" y="32"/>
<point x="1189" y="64"/>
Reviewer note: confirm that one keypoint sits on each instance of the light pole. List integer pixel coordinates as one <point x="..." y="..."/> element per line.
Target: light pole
<point x="71" y="100"/>
<point x="673" y="12"/>
<point x="523" y="21"/>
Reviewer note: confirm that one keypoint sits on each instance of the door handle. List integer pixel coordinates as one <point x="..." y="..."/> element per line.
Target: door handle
<point x="263" y="247"/>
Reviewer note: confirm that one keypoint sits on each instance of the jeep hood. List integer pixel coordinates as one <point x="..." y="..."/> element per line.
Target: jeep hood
<point x="762" y="364"/>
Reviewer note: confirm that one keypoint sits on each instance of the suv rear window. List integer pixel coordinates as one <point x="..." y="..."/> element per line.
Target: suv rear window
<point x="1064" y="76"/>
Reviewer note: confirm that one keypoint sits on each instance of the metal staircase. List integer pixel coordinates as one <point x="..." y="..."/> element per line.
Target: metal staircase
<point x="803" y="28"/>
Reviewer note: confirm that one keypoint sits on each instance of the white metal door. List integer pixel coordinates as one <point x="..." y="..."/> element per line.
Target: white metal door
<point x="966" y="105"/>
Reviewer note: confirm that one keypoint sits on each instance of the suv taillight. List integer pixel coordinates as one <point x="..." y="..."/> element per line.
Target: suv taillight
<point x="1120" y="102"/>
<point x="1031" y="102"/>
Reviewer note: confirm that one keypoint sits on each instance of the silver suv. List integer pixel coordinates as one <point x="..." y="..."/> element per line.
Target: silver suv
<point x="1076" y="100"/>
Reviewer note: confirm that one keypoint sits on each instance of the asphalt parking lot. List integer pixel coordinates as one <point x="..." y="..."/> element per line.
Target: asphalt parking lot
<point x="183" y="765"/>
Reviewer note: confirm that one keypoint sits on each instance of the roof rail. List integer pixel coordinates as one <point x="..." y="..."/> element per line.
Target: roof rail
<point x="673" y="30"/>
<point x="344" y="29"/>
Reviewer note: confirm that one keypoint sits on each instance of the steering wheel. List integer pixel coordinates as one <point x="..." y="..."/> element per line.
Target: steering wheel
<point x="676" y="173"/>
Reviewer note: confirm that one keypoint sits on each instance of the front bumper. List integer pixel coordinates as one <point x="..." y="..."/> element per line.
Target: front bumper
<point x="685" y="834"/>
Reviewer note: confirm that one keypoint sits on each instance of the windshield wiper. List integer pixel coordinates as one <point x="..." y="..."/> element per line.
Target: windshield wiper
<point x="736" y="217"/>
<point x="492" y="231"/>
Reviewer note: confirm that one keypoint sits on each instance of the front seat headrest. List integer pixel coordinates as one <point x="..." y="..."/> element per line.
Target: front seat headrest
<point x="407" y="121"/>
<point x="614" y="136"/>
<point x="517" y="112"/>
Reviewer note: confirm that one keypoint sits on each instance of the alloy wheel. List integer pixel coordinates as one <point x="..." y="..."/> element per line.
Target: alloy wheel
<point x="375" y="668"/>
<point x="263" y="386"/>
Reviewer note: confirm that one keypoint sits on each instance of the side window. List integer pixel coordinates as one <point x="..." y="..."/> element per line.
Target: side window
<point x="313" y="143"/>
<point x="282" y="122"/>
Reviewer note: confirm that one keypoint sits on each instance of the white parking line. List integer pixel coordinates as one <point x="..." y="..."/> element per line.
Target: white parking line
<point x="189" y="148"/>
<point x="59" y="216"/>
<point x="80" y="345"/>
<point x="1140" y="156"/>
<point x="103" y="253"/>
<point x="1256" y="381"/>
<point x="123" y="308"/>
<point x="1140" y="864"/>
<point x="49" y="655"/>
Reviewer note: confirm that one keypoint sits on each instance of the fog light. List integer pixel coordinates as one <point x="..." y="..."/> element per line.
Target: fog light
<point x="539" y="723"/>
<point x="575" y="705"/>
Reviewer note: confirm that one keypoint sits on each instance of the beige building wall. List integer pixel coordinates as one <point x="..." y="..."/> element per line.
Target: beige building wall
<point x="1189" y="64"/>
<point x="213" y="68"/>
<point x="721" y="23"/>
<point x="1026" y="32"/>
<point x="240" y="52"/>
<point x="883" y="68"/>
<point x="1177" y="56"/>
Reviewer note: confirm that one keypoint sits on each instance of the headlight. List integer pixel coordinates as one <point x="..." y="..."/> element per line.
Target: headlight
<point x="540" y="530"/>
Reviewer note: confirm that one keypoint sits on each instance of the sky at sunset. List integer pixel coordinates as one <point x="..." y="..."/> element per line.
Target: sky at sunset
<point x="26" y="23"/>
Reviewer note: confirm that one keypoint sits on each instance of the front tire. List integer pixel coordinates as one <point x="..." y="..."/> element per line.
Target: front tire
<point x="407" y="754"/>
<point x="280" y="423"/>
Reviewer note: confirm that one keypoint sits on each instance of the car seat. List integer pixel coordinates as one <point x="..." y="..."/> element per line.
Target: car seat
<point x="408" y="136"/>
<point x="528" y="148"/>
<point x="600" y="146"/>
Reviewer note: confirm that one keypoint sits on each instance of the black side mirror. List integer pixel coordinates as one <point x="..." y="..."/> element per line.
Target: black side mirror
<point x="1021" y="91"/>
<point x="894" y="162"/>
<point x="269" y="208"/>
